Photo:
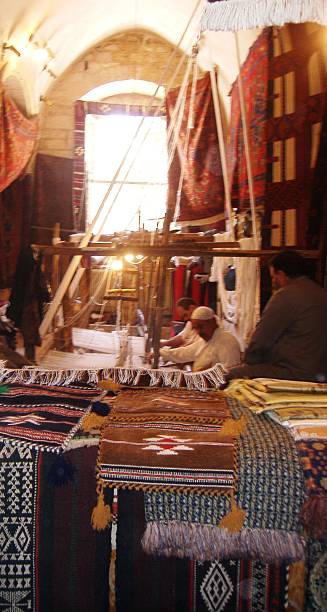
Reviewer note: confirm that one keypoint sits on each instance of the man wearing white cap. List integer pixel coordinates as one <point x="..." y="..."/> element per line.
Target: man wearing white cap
<point x="221" y="346"/>
<point x="214" y="345"/>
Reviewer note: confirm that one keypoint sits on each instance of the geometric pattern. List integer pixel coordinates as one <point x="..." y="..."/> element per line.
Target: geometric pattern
<point x="18" y="493"/>
<point x="216" y="588"/>
<point x="239" y="586"/>
<point x="42" y="415"/>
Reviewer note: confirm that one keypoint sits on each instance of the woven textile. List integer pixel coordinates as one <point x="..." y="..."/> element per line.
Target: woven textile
<point x="202" y="195"/>
<point x="269" y="488"/>
<point x="17" y="137"/>
<point x="15" y="215"/>
<point x="18" y="494"/>
<point x="316" y="585"/>
<point x="43" y="416"/>
<point x="313" y="456"/>
<point x="146" y="582"/>
<point x="160" y="405"/>
<point x="181" y="458"/>
<point x="73" y="561"/>
<point x="166" y="447"/>
<point x="52" y="197"/>
<point x="254" y="76"/>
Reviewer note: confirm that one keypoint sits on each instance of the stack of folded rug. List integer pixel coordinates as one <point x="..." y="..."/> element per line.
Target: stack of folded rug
<point x="299" y="406"/>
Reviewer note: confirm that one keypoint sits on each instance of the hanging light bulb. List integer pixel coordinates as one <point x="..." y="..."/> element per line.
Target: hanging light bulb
<point x="116" y="264"/>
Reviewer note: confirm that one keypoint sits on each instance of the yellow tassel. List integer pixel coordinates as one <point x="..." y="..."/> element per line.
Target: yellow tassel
<point x="109" y="385"/>
<point x="233" y="427"/>
<point x="92" y="421"/>
<point x="101" y="515"/>
<point x="234" y="520"/>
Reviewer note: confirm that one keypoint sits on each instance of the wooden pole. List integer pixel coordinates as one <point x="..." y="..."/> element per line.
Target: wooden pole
<point x="222" y="150"/>
<point x="246" y="144"/>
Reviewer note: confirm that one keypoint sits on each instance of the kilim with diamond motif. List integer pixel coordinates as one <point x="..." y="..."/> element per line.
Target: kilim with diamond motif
<point x="18" y="494"/>
<point x="189" y="586"/>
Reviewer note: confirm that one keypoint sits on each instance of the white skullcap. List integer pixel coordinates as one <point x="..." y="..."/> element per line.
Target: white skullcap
<point x="203" y="313"/>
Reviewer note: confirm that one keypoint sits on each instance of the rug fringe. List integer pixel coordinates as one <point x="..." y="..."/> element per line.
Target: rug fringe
<point x="236" y="15"/>
<point x="209" y="543"/>
<point x="201" y="381"/>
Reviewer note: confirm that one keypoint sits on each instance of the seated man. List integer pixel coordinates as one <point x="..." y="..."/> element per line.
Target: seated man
<point x="220" y="346"/>
<point x="184" y="309"/>
<point x="290" y="340"/>
<point x="183" y="347"/>
<point x="214" y="345"/>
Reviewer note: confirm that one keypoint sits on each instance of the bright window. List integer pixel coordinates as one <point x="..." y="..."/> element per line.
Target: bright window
<point x="138" y="197"/>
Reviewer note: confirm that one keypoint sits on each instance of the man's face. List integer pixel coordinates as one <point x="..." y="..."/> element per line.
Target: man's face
<point x="182" y="313"/>
<point x="278" y="278"/>
<point x="205" y="328"/>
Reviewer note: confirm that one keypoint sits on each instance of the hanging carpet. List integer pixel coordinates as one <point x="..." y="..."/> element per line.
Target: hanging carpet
<point x="17" y="138"/>
<point x="202" y="195"/>
<point x="254" y="76"/>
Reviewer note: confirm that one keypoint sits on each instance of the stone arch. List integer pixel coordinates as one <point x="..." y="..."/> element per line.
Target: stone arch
<point x="133" y="54"/>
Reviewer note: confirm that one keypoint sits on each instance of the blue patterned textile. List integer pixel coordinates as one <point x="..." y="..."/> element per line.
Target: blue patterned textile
<point x="270" y="488"/>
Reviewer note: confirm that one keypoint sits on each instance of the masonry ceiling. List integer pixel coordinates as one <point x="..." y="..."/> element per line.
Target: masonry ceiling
<point x="68" y="28"/>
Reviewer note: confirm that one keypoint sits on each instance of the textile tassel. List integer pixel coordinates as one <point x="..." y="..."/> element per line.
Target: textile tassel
<point x="100" y="408"/>
<point x="109" y="385"/>
<point x="101" y="515"/>
<point x="112" y="568"/>
<point x="61" y="472"/>
<point x="234" y="520"/>
<point x="233" y="427"/>
<point x="92" y="421"/>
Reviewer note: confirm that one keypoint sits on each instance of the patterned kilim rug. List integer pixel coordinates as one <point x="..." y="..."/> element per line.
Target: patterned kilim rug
<point x="18" y="495"/>
<point x="182" y="455"/>
<point x="313" y="457"/>
<point x="151" y="405"/>
<point x="51" y="559"/>
<point x="270" y="490"/>
<point x="189" y="586"/>
<point x="43" y="416"/>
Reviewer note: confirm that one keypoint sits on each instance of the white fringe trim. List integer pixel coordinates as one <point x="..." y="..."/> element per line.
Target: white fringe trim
<point x="212" y="378"/>
<point x="236" y="15"/>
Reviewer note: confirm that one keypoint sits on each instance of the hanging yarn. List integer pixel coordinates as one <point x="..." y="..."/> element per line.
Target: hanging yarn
<point x="93" y="421"/>
<point x="101" y="514"/>
<point x="233" y="427"/>
<point x="100" y="408"/>
<point x="234" y="520"/>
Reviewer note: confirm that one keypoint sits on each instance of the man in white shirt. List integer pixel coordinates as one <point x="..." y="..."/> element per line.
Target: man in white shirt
<point x="214" y="345"/>
<point x="220" y="346"/>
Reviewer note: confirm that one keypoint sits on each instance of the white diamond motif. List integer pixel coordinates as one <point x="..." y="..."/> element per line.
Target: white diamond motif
<point x="216" y="588"/>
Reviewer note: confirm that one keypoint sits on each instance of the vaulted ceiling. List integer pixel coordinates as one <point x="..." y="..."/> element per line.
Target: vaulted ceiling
<point x="42" y="38"/>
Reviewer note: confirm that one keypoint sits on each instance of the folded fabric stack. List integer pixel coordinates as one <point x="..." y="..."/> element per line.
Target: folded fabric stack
<point x="299" y="406"/>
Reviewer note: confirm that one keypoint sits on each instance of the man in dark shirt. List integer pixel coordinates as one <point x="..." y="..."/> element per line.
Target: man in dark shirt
<point x="290" y="340"/>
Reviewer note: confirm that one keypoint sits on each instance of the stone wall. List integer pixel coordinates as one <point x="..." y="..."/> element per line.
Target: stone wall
<point x="136" y="54"/>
